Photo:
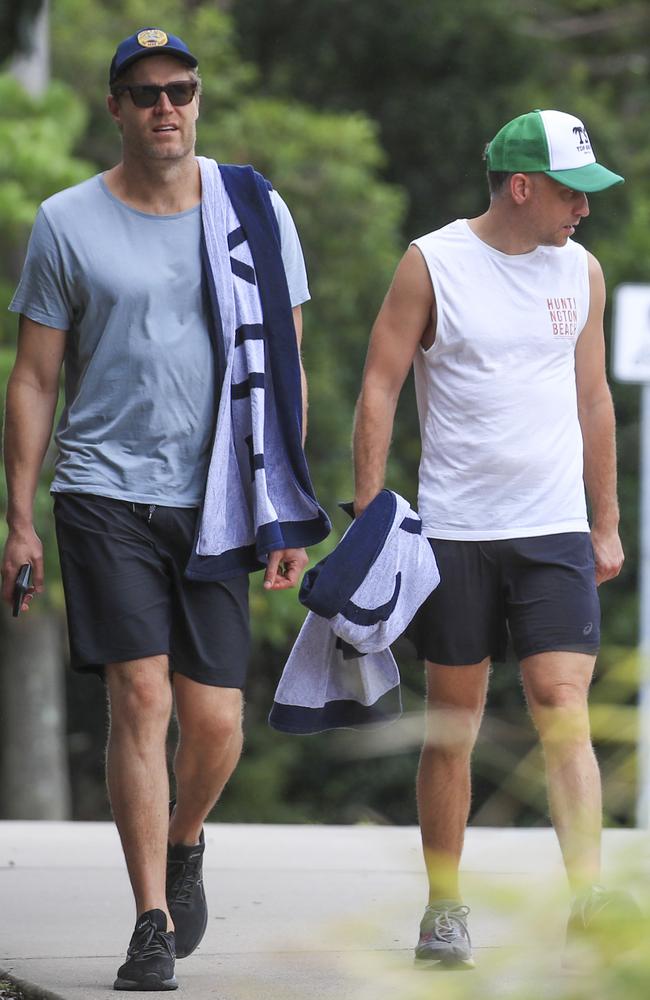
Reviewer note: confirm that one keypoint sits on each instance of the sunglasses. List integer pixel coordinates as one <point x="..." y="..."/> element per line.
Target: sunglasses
<point x="147" y="95"/>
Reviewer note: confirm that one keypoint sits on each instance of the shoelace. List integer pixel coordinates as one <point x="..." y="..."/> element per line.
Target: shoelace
<point x="149" y="942"/>
<point x="450" y="922"/>
<point x="592" y="903"/>
<point x="183" y="877"/>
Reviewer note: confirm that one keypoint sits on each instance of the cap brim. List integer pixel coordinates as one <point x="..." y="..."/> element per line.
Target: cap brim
<point x="592" y="177"/>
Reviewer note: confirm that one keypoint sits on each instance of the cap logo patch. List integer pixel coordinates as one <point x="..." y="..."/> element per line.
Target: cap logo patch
<point x="151" y="38"/>
<point x="580" y="132"/>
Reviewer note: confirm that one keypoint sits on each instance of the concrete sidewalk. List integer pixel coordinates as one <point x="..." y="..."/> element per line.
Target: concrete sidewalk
<point x="296" y="912"/>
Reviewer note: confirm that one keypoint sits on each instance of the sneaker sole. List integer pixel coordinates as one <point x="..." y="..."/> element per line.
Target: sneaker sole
<point x="147" y="983"/>
<point x="589" y="955"/>
<point x="444" y="964"/>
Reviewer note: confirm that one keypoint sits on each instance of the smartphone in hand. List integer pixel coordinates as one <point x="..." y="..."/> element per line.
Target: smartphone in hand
<point x="22" y="586"/>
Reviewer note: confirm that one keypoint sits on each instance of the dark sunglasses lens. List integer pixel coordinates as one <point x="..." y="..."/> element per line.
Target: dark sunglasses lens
<point x="144" y="95"/>
<point x="180" y="93"/>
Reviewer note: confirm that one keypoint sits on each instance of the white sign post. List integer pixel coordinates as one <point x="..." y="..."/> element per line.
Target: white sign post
<point x="631" y="363"/>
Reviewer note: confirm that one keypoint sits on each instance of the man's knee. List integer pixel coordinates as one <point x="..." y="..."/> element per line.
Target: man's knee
<point x="451" y="732"/>
<point x="223" y="725"/>
<point x="139" y="692"/>
<point x="560" y="713"/>
<point x="557" y="691"/>
<point x="455" y="704"/>
<point x="216" y="723"/>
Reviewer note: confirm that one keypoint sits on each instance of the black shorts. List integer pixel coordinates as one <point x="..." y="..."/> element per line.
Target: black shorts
<point x="127" y="597"/>
<point x="542" y="591"/>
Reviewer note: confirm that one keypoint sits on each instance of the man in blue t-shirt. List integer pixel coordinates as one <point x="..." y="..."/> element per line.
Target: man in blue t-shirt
<point x="114" y="287"/>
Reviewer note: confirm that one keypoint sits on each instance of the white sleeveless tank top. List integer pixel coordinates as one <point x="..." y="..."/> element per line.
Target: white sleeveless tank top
<point x="496" y="393"/>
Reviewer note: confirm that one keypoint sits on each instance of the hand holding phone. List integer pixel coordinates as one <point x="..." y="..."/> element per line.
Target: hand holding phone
<point x="22" y="587"/>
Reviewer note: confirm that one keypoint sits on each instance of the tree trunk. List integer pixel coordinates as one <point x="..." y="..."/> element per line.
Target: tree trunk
<point x="31" y="67"/>
<point x="34" y="774"/>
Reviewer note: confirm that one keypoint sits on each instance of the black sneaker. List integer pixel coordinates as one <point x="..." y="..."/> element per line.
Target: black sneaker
<point x="602" y="925"/>
<point x="150" y="957"/>
<point x="186" y="895"/>
<point x="444" y="938"/>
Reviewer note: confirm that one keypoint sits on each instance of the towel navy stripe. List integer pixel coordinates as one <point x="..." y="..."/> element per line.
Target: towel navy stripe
<point x="256" y="460"/>
<point x="240" y="390"/>
<point x="242" y="270"/>
<point x="372" y="616"/>
<point x="349" y="652"/>
<point x="235" y="238"/>
<point x="412" y="524"/>
<point x="248" y="331"/>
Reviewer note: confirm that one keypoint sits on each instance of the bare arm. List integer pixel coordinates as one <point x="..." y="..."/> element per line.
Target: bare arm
<point x="32" y="393"/>
<point x="406" y="318"/>
<point x="597" y="423"/>
<point x="285" y="566"/>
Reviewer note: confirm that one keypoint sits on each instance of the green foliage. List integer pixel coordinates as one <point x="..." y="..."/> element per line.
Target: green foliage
<point x="438" y="78"/>
<point x="36" y="139"/>
<point x="9" y="990"/>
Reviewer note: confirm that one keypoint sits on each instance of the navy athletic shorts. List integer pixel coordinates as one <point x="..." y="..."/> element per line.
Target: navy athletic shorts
<point x="127" y="596"/>
<point x="541" y="591"/>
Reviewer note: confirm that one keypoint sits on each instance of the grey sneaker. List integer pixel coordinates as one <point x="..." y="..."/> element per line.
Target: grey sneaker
<point x="444" y="938"/>
<point x="602" y="925"/>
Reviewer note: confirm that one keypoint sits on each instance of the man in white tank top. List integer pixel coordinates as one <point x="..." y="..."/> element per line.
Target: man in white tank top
<point x="502" y="318"/>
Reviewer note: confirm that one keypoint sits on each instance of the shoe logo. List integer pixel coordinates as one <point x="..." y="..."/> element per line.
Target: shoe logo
<point x="588" y="628"/>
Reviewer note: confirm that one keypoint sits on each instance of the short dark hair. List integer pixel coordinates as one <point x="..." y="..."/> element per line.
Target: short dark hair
<point x="497" y="180"/>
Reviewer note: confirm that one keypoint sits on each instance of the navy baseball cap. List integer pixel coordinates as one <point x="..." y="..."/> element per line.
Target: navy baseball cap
<point x="148" y="42"/>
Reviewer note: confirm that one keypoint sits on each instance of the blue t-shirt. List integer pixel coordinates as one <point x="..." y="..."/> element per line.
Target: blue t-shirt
<point x="140" y="387"/>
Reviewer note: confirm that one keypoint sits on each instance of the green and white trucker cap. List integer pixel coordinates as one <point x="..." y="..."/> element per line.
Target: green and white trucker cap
<point x="553" y="143"/>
